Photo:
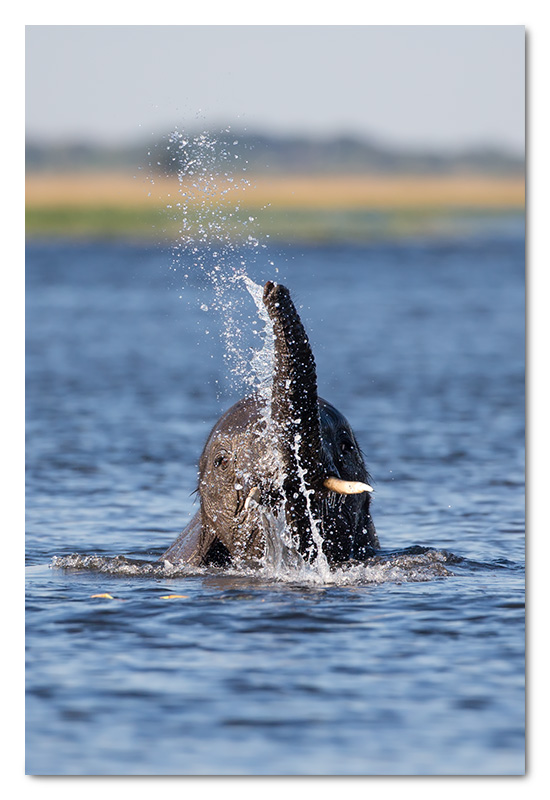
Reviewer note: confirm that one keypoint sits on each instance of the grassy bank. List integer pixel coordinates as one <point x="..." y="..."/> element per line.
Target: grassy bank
<point x="285" y="208"/>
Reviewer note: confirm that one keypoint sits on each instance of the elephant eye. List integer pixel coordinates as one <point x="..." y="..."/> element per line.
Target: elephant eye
<point x="222" y="460"/>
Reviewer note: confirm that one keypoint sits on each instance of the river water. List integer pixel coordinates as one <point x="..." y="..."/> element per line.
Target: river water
<point x="412" y="665"/>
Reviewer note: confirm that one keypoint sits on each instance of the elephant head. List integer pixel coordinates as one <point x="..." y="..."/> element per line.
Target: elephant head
<point x="292" y="456"/>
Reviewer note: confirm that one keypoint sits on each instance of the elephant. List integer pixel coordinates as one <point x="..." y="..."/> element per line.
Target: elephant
<point x="289" y="460"/>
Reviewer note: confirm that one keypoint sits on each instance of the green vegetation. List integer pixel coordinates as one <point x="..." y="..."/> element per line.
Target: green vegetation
<point x="105" y="222"/>
<point x="271" y="225"/>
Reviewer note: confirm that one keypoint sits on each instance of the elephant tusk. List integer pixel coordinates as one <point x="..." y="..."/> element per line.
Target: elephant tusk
<point x="254" y="494"/>
<point x="346" y="487"/>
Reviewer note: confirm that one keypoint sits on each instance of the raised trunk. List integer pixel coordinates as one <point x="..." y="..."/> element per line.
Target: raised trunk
<point x="295" y="414"/>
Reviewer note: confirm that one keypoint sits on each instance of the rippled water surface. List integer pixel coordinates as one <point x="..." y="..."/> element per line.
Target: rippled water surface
<point x="412" y="664"/>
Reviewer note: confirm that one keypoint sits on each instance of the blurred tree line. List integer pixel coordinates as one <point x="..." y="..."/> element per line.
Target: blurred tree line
<point x="274" y="154"/>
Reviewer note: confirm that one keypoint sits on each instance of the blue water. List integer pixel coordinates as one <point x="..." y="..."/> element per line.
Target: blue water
<point x="413" y="665"/>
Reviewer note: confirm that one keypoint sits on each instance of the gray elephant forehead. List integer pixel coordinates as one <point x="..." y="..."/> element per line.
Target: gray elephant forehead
<point x="247" y="417"/>
<point x="244" y="419"/>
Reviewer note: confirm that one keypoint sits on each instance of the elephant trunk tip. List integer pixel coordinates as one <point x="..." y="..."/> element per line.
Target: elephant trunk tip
<point x="274" y="293"/>
<point x="268" y="290"/>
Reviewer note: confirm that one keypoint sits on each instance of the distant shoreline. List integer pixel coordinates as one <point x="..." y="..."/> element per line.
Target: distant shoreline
<point x="306" y="191"/>
<point x="293" y="207"/>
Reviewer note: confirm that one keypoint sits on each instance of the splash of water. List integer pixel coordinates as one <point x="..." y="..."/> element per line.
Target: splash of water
<point x="260" y="374"/>
<point x="217" y="242"/>
<point x="413" y="565"/>
<point x="319" y="559"/>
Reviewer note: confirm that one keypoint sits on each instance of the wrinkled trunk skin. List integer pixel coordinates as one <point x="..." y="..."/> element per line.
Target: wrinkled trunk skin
<point x="295" y="415"/>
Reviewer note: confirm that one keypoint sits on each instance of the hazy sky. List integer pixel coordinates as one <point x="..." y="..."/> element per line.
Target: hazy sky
<point x="434" y="86"/>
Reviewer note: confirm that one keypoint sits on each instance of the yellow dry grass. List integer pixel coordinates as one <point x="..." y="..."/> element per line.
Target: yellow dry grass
<point x="281" y="191"/>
